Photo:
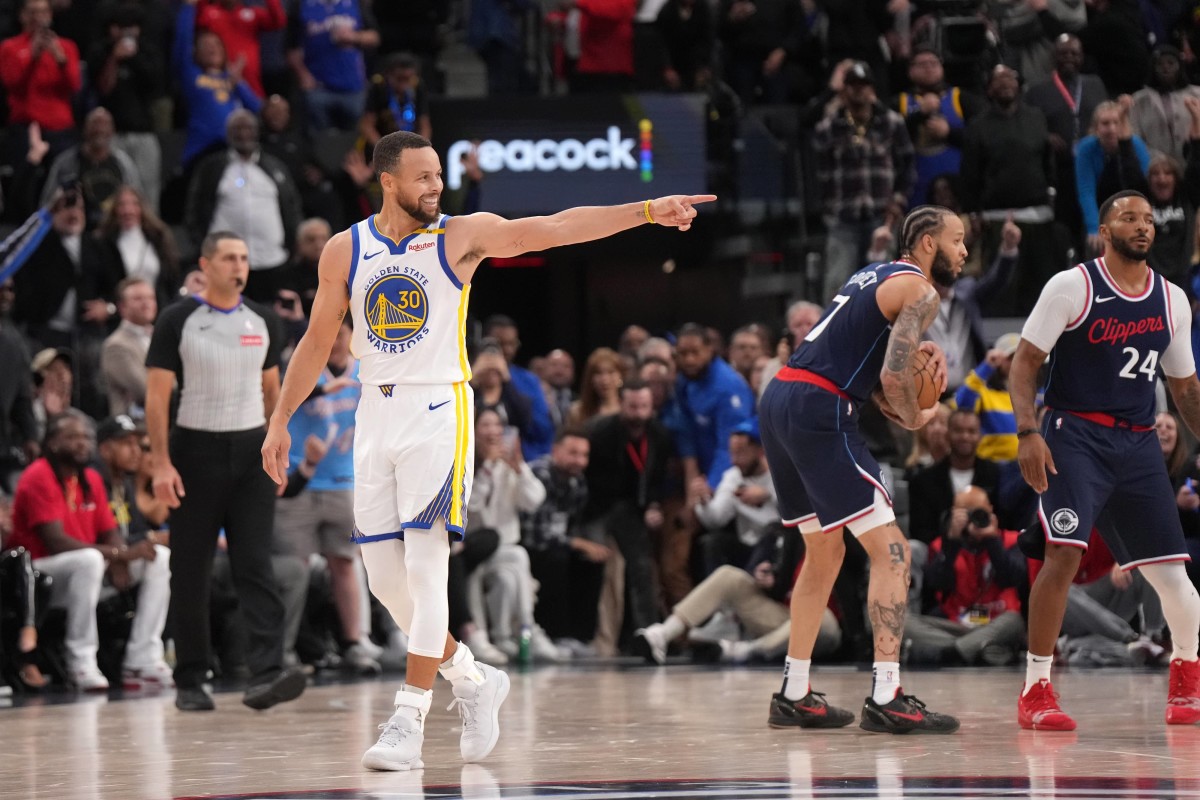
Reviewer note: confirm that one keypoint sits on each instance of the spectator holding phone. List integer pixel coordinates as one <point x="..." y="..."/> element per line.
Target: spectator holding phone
<point x="40" y="72"/>
<point x="494" y="390"/>
<point x="505" y="486"/>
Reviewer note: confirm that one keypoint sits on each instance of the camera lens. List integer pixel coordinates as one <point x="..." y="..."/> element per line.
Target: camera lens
<point x="979" y="517"/>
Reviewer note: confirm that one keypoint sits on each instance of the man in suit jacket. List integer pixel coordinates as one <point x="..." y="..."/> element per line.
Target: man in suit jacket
<point x="67" y="265"/>
<point x="931" y="492"/>
<point x="123" y="359"/>
<point x="626" y="472"/>
<point x="65" y="296"/>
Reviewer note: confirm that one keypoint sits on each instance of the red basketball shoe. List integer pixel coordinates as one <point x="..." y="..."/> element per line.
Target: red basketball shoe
<point x="1038" y="710"/>
<point x="1183" y="694"/>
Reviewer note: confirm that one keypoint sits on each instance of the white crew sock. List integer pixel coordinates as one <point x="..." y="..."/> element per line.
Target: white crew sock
<point x="1037" y="668"/>
<point x="887" y="681"/>
<point x="795" y="677"/>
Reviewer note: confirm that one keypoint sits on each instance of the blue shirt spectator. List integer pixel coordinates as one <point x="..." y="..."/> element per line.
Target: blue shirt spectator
<point x="211" y="89"/>
<point x="538" y="437"/>
<point x="325" y="43"/>
<point x="1107" y="161"/>
<point x="329" y="415"/>
<point x="713" y="400"/>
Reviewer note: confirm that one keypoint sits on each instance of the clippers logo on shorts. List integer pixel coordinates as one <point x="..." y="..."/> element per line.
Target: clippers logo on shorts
<point x="1064" y="521"/>
<point x="396" y="309"/>
<point x="252" y="341"/>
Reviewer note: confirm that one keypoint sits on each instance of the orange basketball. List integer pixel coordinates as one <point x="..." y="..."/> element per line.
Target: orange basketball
<point x="924" y="380"/>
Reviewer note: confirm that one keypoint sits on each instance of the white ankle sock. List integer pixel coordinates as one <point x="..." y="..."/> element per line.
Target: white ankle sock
<point x="1037" y="668"/>
<point x="461" y="667"/>
<point x="795" y="677"/>
<point x="886" y="683"/>
<point x="673" y="627"/>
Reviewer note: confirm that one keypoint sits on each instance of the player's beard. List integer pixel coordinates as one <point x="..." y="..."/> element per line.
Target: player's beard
<point x="942" y="270"/>
<point x="417" y="211"/>
<point x="1126" y="249"/>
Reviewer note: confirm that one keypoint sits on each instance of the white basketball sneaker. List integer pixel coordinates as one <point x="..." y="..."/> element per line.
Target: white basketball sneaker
<point x="399" y="745"/>
<point x="479" y="707"/>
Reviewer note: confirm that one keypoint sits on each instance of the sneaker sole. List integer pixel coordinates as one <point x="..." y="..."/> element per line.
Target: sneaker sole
<point x="782" y="723"/>
<point x="383" y="765"/>
<point x="291" y="687"/>
<point x="1033" y="726"/>
<point x="877" y="727"/>
<point x="501" y="696"/>
<point x="641" y="647"/>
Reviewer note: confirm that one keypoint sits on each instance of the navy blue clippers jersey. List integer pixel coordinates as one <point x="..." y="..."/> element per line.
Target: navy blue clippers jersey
<point x="847" y="345"/>
<point x="1107" y="359"/>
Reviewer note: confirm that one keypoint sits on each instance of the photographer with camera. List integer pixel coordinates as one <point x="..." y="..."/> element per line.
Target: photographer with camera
<point x="975" y="569"/>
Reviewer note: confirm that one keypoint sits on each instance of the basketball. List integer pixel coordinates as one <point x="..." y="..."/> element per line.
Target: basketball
<point x="924" y="380"/>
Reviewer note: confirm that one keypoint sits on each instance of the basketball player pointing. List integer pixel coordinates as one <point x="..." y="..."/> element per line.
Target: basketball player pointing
<point x="1109" y="325"/>
<point x="405" y="275"/>
<point x="825" y="477"/>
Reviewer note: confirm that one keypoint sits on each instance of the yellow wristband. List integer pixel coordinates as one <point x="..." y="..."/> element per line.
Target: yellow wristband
<point x="646" y="211"/>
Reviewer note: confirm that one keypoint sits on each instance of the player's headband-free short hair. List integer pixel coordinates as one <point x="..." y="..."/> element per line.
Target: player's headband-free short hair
<point x="387" y="151"/>
<point x="922" y="220"/>
<point x="1107" y="206"/>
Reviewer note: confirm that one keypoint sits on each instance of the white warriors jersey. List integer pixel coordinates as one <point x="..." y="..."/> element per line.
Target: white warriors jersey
<point x="409" y="309"/>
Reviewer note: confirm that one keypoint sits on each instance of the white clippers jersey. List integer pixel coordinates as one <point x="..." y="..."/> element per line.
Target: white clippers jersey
<point x="409" y="309"/>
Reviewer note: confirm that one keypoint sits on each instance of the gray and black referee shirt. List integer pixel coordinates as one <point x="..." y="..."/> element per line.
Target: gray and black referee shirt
<point x="218" y="357"/>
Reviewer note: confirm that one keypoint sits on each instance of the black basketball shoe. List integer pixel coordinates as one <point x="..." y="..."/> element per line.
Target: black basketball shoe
<point x="810" y="711"/>
<point x="904" y="714"/>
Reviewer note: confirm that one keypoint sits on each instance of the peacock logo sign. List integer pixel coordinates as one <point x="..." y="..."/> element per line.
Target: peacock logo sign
<point x="613" y="151"/>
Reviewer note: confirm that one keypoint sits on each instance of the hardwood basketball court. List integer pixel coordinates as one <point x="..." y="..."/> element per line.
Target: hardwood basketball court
<point x="608" y="732"/>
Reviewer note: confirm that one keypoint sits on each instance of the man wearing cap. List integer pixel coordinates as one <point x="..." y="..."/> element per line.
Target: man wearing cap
<point x="745" y="496"/>
<point x="865" y="167"/>
<point x="61" y="516"/>
<point x="119" y="445"/>
<point x="985" y="392"/>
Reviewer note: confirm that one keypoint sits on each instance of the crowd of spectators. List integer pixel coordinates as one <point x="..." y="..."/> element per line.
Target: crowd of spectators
<point x="628" y="511"/>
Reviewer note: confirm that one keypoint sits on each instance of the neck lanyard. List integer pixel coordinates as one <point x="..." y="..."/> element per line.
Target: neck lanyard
<point x="638" y="455"/>
<point x="405" y="115"/>
<point x="1072" y="101"/>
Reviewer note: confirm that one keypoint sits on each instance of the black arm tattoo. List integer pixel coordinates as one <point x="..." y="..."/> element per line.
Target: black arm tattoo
<point x="905" y="340"/>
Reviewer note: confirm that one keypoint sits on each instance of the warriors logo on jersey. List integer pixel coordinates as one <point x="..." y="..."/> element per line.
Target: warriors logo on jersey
<point x="396" y="307"/>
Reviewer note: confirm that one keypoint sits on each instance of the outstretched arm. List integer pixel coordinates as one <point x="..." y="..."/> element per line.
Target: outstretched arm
<point x="478" y="236"/>
<point x="311" y="354"/>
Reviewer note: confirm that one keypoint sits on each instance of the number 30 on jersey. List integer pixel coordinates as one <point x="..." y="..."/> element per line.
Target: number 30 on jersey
<point x="1149" y="365"/>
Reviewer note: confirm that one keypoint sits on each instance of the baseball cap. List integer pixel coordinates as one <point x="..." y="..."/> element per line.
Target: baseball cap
<point x="48" y="356"/>
<point x="859" y="72"/>
<point x="749" y="428"/>
<point x="115" y="428"/>
<point x="1008" y="343"/>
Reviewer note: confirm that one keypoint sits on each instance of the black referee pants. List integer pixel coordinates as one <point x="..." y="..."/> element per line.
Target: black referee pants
<point x="225" y="487"/>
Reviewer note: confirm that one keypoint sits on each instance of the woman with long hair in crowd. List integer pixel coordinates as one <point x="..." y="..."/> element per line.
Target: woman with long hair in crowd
<point x="142" y="241"/>
<point x="599" y="388"/>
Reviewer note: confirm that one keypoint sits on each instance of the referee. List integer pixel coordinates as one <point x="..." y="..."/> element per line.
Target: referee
<point x="224" y="352"/>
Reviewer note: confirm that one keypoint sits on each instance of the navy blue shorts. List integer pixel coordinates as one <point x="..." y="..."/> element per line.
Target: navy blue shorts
<point x="820" y="465"/>
<point x="1113" y="479"/>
